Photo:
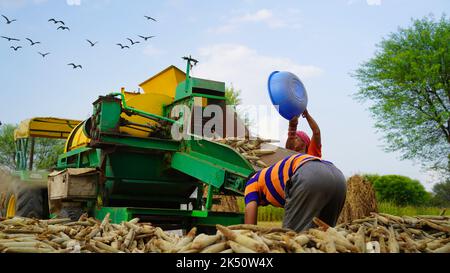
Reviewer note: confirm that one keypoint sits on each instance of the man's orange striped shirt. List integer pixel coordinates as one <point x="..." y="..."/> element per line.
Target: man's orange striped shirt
<point x="267" y="185"/>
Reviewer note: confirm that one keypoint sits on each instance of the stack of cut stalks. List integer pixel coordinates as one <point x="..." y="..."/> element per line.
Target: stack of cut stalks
<point x="379" y="233"/>
<point x="360" y="200"/>
<point x="249" y="148"/>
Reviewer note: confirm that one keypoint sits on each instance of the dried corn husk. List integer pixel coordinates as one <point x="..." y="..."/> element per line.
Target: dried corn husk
<point x="380" y="233"/>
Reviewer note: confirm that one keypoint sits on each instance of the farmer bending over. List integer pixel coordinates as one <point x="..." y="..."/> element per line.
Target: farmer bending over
<point x="306" y="186"/>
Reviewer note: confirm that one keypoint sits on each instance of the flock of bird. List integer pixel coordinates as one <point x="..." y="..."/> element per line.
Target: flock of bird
<point x="62" y="26"/>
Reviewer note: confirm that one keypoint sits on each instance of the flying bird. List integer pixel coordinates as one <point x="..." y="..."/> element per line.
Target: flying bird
<point x="7" y="20"/>
<point x="150" y="18"/>
<point x="132" y="42"/>
<point x="146" y="38"/>
<point x="55" y="21"/>
<point x="63" y="28"/>
<point x="43" y="54"/>
<point x="122" y="46"/>
<point x="75" y="66"/>
<point x="15" y="48"/>
<point x="92" y="44"/>
<point x="10" y="39"/>
<point x="31" y="41"/>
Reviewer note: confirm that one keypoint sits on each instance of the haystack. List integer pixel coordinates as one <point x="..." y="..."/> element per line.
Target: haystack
<point x="360" y="200"/>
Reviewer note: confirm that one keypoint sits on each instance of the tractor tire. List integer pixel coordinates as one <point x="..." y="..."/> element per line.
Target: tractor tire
<point x="73" y="213"/>
<point x="29" y="201"/>
<point x="3" y="200"/>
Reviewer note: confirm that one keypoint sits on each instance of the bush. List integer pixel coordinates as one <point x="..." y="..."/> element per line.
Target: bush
<point x="371" y="177"/>
<point x="441" y="195"/>
<point x="400" y="190"/>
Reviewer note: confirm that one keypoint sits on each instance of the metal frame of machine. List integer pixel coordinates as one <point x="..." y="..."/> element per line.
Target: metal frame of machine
<point x="140" y="171"/>
<point x="143" y="172"/>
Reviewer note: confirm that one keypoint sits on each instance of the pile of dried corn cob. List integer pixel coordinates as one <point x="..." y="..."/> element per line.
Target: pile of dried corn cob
<point x="378" y="233"/>
<point x="85" y="235"/>
<point x="249" y="148"/>
<point x="391" y="234"/>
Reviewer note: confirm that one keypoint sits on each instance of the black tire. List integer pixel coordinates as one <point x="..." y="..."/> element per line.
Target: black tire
<point x="73" y="213"/>
<point x="29" y="200"/>
<point x="3" y="203"/>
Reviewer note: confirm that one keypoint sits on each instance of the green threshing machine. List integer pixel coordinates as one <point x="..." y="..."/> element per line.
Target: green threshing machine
<point x="123" y="160"/>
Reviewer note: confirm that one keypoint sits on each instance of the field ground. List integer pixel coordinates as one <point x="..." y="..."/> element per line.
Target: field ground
<point x="270" y="224"/>
<point x="270" y="214"/>
<point x="390" y="208"/>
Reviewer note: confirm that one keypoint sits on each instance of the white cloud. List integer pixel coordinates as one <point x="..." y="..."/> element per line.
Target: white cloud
<point x="19" y="3"/>
<point x="73" y="2"/>
<point x="262" y="16"/>
<point x="247" y="69"/>
<point x="224" y="29"/>
<point x="373" y="2"/>
<point x="368" y="2"/>
<point x="259" y="16"/>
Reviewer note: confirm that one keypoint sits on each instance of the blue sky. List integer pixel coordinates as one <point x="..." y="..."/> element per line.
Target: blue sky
<point x="238" y="42"/>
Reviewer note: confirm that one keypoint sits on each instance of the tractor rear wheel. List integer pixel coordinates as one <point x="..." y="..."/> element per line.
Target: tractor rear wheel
<point x="74" y="213"/>
<point x="25" y="201"/>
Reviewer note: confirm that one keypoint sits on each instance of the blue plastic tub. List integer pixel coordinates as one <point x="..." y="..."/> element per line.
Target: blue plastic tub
<point x="287" y="93"/>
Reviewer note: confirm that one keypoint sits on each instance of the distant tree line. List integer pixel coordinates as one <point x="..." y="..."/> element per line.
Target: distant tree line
<point x="403" y="191"/>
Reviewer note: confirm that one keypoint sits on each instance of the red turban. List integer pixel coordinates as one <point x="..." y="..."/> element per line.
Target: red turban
<point x="303" y="136"/>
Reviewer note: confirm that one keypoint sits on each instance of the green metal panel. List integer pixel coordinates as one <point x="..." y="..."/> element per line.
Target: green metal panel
<point x="209" y="96"/>
<point x="83" y="157"/>
<point x="21" y="153"/>
<point x="200" y="213"/>
<point x="203" y="170"/>
<point x="133" y="175"/>
<point x="210" y="162"/>
<point x="143" y="143"/>
<point x="221" y="218"/>
<point x="109" y="115"/>
<point x="35" y="178"/>
<point x="220" y="154"/>
<point x="208" y="84"/>
<point x="187" y="87"/>
<point x="159" y="197"/>
<point x="119" y="214"/>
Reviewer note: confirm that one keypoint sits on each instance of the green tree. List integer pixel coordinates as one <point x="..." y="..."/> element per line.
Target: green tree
<point x="232" y="96"/>
<point x="7" y="147"/>
<point x="400" y="190"/>
<point x="371" y="177"/>
<point x="407" y="83"/>
<point x="441" y="193"/>
<point x="46" y="150"/>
